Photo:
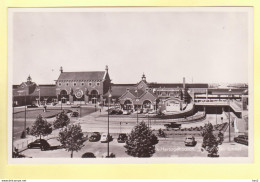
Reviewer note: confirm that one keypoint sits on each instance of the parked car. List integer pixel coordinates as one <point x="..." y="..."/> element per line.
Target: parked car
<point x="122" y="137"/>
<point x="106" y="138"/>
<point x="126" y="112"/>
<point x="139" y="111"/>
<point x="75" y="106"/>
<point x="95" y="136"/>
<point x="32" y="106"/>
<point x="151" y="112"/>
<point x="190" y="141"/>
<point x="172" y="125"/>
<point x="243" y="139"/>
<point x="74" y="114"/>
<point x="88" y="155"/>
<point x="39" y="143"/>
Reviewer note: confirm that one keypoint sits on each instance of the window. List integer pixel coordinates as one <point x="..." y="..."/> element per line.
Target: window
<point x="74" y="83"/>
<point x="67" y="84"/>
<point x="98" y="83"/>
<point x="89" y="83"/>
<point x="82" y="83"/>
<point x="59" y="84"/>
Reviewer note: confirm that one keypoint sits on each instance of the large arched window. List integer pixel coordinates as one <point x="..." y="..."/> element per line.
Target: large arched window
<point x="147" y="104"/>
<point x="64" y="96"/>
<point x="94" y="96"/>
<point x="128" y="105"/>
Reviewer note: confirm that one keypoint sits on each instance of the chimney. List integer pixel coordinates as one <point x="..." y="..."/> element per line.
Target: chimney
<point x="61" y="69"/>
<point x="184" y="82"/>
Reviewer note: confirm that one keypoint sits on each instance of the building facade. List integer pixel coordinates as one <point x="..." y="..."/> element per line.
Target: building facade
<point x="95" y="87"/>
<point x="87" y="87"/>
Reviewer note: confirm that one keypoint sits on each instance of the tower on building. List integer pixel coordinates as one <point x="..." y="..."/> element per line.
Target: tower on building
<point x="144" y="77"/>
<point x="29" y="79"/>
<point x="61" y="69"/>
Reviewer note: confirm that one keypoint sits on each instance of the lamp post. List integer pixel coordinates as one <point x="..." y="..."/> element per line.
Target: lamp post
<point x="109" y="96"/>
<point x="80" y="108"/>
<point x="229" y="130"/>
<point x="23" y="91"/>
<point x="61" y="103"/>
<point x="57" y="89"/>
<point x="95" y="99"/>
<point x="13" y="129"/>
<point x="137" y="100"/>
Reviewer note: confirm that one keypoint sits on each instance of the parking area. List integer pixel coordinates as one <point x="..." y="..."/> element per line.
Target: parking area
<point x="173" y="147"/>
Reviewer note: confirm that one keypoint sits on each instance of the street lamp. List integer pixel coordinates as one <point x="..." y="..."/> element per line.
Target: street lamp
<point x="109" y="96"/>
<point x="95" y="99"/>
<point x="23" y="91"/>
<point x="80" y="108"/>
<point x="57" y="89"/>
<point x="229" y="137"/>
<point x="137" y="100"/>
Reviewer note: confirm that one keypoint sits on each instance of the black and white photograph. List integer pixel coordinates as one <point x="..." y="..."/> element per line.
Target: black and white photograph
<point x="130" y="85"/>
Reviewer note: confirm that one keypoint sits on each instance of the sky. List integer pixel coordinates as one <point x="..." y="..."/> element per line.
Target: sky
<point x="203" y="46"/>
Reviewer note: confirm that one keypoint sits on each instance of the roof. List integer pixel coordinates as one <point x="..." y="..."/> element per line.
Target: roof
<point x="177" y="85"/>
<point x="45" y="91"/>
<point x="89" y="75"/>
<point x="119" y="89"/>
<point x="136" y="93"/>
<point x="226" y="91"/>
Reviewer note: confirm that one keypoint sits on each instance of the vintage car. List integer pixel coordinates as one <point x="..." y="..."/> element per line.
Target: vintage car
<point x="243" y="139"/>
<point x="172" y="125"/>
<point x="75" y="106"/>
<point x="122" y="137"/>
<point x="39" y="143"/>
<point x="190" y="141"/>
<point x="126" y="112"/>
<point x="74" y="114"/>
<point x="95" y="136"/>
<point x="88" y="155"/>
<point x="106" y="138"/>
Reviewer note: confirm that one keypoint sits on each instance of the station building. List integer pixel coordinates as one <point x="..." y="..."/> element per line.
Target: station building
<point x="89" y="86"/>
<point x="95" y="87"/>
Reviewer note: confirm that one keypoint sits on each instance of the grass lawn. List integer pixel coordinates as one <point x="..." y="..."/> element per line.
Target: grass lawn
<point x="35" y="112"/>
<point x="31" y="115"/>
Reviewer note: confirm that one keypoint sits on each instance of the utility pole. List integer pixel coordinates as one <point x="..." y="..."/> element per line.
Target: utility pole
<point x="108" y="135"/>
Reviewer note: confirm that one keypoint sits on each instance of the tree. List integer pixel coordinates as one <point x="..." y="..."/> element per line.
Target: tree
<point x="41" y="127"/>
<point x="71" y="138"/>
<point x="210" y="141"/>
<point x="62" y="120"/>
<point x="141" y="141"/>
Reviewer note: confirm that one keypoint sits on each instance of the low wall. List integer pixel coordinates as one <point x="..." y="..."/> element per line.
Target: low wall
<point x="182" y="114"/>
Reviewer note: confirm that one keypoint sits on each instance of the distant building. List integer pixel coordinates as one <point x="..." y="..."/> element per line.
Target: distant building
<point x="30" y="93"/>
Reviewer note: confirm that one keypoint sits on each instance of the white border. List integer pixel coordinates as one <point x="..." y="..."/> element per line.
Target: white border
<point x="159" y="160"/>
